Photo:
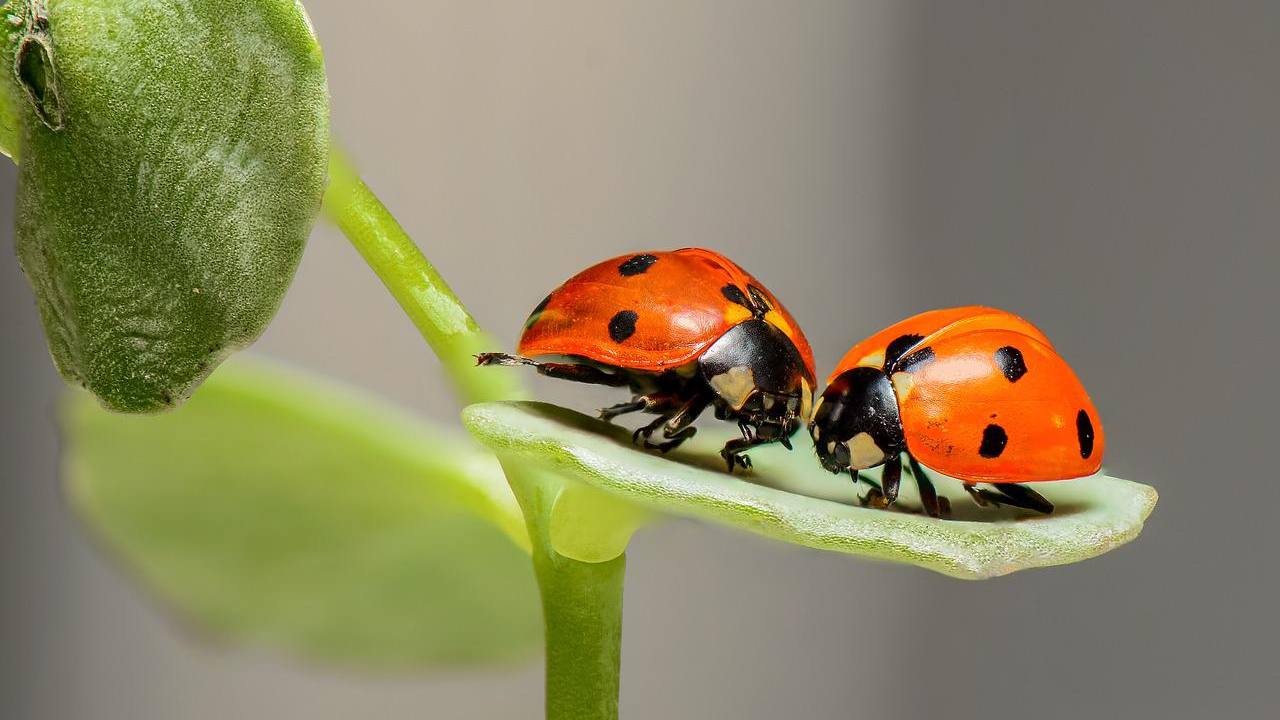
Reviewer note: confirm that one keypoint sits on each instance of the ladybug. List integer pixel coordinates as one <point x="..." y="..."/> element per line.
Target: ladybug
<point x="683" y="330"/>
<point x="975" y="393"/>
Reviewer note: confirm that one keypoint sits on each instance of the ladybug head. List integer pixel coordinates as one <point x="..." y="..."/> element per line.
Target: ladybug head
<point x="856" y="424"/>
<point x="759" y="378"/>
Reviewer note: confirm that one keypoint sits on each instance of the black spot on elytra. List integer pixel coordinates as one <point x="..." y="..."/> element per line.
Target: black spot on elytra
<point x="1084" y="432"/>
<point x="915" y="359"/>
<point x="994" y="438"/>
<point x="623" y="325"/>
<point x="734" y="294"/>
<point x="537" y="312"/>
<point x="636" y="265"/>
<point x="1010" y="361"/>
<point x="898" y="347"/>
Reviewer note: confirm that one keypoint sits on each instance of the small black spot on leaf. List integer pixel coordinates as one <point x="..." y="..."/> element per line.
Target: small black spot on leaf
<point x="623" y="325"/>
<point x="636" y="265"/>
<point x="994" y="438"/>
<point x="1084" y="432"/>
<point x="734" y="294"/>
<point x="1010" y="361"/>
<point x="898" y="347"/>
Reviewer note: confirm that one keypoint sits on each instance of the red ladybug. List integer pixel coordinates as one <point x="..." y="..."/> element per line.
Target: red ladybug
<point x="975" y="393"/>
<point x="684" y="330"/>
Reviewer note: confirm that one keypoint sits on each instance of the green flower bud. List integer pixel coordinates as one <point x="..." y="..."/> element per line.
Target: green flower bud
<point x="173" y="159"/>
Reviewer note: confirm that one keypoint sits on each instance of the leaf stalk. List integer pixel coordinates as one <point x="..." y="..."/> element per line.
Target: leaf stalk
<point x="581" y="602"/>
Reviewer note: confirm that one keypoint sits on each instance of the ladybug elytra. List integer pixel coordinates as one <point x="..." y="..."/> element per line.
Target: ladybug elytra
<point x="684" y="330"/>
<point x="975" y="393"/>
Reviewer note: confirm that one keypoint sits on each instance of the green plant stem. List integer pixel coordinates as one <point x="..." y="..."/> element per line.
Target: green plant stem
<point x="582" y="609"/>
<point x="413" y="281"/>
<point x="581" y="602"/>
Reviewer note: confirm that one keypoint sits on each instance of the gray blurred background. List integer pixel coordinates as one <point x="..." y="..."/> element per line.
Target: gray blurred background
<point x="1110" y="170"/>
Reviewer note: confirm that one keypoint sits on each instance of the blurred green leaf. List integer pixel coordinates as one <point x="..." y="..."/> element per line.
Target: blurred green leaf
<point x="173" y="158"/>
<point x="789" y="497"/>
<point x="285" y="512"/>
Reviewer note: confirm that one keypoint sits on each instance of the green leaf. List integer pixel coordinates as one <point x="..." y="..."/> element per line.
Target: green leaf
<point x="789" y="497"/>
<point x="173" y="162"/>
<point x="592" y="526"/>
<point x="284" y="512"/>
<point x="10" y="125"/>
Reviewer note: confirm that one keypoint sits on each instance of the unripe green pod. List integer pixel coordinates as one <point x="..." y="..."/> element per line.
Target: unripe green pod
<point x="173" y="158"/>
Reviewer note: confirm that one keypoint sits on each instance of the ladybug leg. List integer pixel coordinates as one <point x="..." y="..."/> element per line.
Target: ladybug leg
<point x="928" y="493"/>
<point x="1024" y="497"/>
<point x="560" y="371"/>
<point x="613" y="411"/>
<point x="978" y="498"/>
<point x="662" y="403"/>
<point x="984" y="497"/>
<point x="890" y="479"/>
<point x="675" y="439"/>
<point x="733" y="452"/>
<point x="1010" y="494"/>
<point x="642" y="434"/>
<point x="676" y="426"/>
<point x="679" y="427"/>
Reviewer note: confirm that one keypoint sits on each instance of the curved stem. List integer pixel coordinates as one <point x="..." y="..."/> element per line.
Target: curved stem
<point x="582" y="609"/>
<point x="581" y="602"/>
<point x="413" y="281"/>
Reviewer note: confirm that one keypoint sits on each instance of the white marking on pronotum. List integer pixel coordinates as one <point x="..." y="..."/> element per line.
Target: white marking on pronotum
<point x="903" y="383"/>
<point x="735" y="385"/>
<point x="864" y="452"/>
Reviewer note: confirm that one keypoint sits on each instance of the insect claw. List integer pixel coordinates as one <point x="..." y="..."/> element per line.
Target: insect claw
<point x="493" y="358"/>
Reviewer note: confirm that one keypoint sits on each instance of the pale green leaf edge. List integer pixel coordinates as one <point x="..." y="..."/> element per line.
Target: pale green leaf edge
<point x="474" y="477"/>
<point x="10" y="130"/>
<point x="1104" y="512"/>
